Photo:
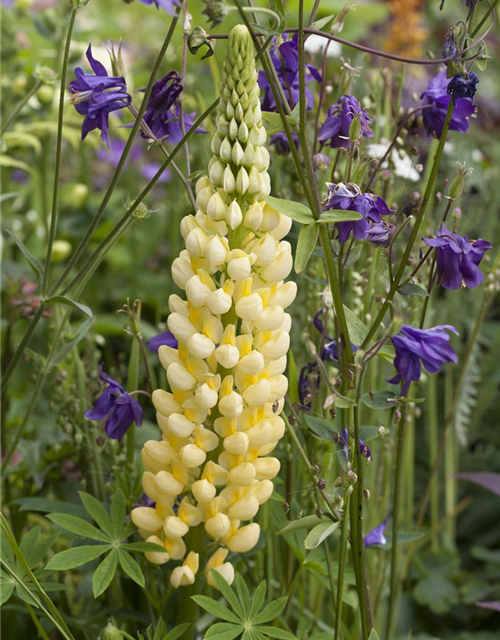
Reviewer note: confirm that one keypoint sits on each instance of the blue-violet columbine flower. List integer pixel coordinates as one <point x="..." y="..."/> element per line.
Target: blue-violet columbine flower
<point x="427" y="346"/>
<point x="381" y="233"/>
<point x="286" y="62"/>
<point x="169" y="6"/>
<point x="330" y="349"/>
<point x="96" y="96"/>
<point x="363" y="448"/>
<point x="335" y="129"/>
<point x="163" y="112"/>
<point x="376" y="535"/>
<point x="167" y="338"/>
<point x="117" y="407"/>
<point x="349" y="197"/>
<point x="309" y="380"/>
<point x="463" y="86"/>
<point x="281" y="145"/>
<point x="436" y="97"/>
<point x="458" y="259"/>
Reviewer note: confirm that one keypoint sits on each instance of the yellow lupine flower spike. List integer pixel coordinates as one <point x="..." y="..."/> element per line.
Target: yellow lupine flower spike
<point x="220" y="420"/>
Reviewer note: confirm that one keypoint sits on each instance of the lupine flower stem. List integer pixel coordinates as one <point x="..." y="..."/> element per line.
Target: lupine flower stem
<point x="342" y="563"/>
<point x="415" y="231"/>
<point x="132" y="383"/>
<point x="116" y="176"/>
<point x="395" y="524"/>
<point x="57" y="165"/>
<point x="19" y="107"/>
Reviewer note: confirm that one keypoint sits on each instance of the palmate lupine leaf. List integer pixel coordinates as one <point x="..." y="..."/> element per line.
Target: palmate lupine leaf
<point x="247" y="618"/>
<point x="112" y="532"/>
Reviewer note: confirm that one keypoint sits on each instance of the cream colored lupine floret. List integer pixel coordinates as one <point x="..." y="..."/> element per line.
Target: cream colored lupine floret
<point x="220" y="420"/>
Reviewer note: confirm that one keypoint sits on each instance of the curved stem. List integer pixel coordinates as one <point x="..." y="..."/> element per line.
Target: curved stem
<point x="415" y="231"/>
<point x="264" y="10"/>
<point x="13" y="116"/>
<point x="57" y="168"/>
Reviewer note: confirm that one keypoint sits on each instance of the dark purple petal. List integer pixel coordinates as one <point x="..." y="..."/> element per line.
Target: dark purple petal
<point x="376" y="535"/>
<point x="490" y="481"/>
<point x="103" y="406"/>
<point x="167" y="338"/>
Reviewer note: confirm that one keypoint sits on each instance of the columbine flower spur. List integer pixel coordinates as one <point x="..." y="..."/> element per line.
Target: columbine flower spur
<point x="219" y="421"/>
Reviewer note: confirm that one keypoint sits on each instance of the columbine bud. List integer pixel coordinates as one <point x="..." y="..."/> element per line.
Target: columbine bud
<point x="457" y="184"/>
<point x="110" y="632"/>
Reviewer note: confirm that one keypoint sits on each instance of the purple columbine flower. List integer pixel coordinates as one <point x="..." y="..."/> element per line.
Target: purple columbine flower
<point x="381" y="233"/>
<point x="427" y="346"/>
<point x="163" y="113"/>
<point x="281" y="145"/>
<point x="463" y="87"/>
<point x="286" y="62"/>
<point x="436" y="96"/>
<point x="169" y="6"/>
<point x="330" y="351"/>
<point x="349" y="197"/>
<point x="363" y="448"/>
<point x="117" y="407"/>
<point x="167" y="338"/>
<point x="458" y="259"/>
<point x="308" y="381"/>
<point x="96" y="96"/>
<point x="376" y="535"/>
<point x="335" y="129"/>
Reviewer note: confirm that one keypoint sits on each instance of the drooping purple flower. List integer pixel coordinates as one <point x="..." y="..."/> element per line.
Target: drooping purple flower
<point x="381" y="233"/>
<point x="96" y="96"/>
<point x="285" y="59"/>
<point x="308" y="382"/>
<point x="281" y="145"/>
<point x="330" y="350"/>
<point x="463" y="86"/>
<point x="458" y="259"/>
<point x="377" y="535"/>
<point x="363" y="448"/>
<point x="167" y="338"/>
<point x="169" y="6"/>
<point x="117" y="407"/>
<point x="163" y="113"/>
<point x="349" y="197"/>
<point x="436" y="96"/>
<point x="335" y="129"/>
<point x="415" y="346"/>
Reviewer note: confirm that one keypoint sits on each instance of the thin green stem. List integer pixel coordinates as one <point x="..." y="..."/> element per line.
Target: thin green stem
<point x="479" y="25"/>
<point x="116" y="176"/>
<point x="36" y="622"/>
<point x="395" y="524"/>
<point x="57" y="168"/>
<point x="415" y="231"/>
<point x="22" y="346"/>
<point x="19" y="107"/>
<point x="344" y="528"/>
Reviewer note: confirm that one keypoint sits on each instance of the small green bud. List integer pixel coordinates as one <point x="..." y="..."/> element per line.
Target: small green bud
<point x="60" y="250"/>
<point x="110" y="632"/>
<point x="19" y="84"/>
<point x="45" y="95"/>
<point x="355" y="128"/>
<point x="78" y="195"/>
<point x="46" y="75"/>
<point x="215" y="10"/>
<point x="141" y="212"/>
<point x="199" y="38"/>
<point x="457" y="184"/>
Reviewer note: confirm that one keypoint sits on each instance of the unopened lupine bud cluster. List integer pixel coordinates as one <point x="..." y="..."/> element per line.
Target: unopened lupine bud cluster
<point x="220" y="420"/>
